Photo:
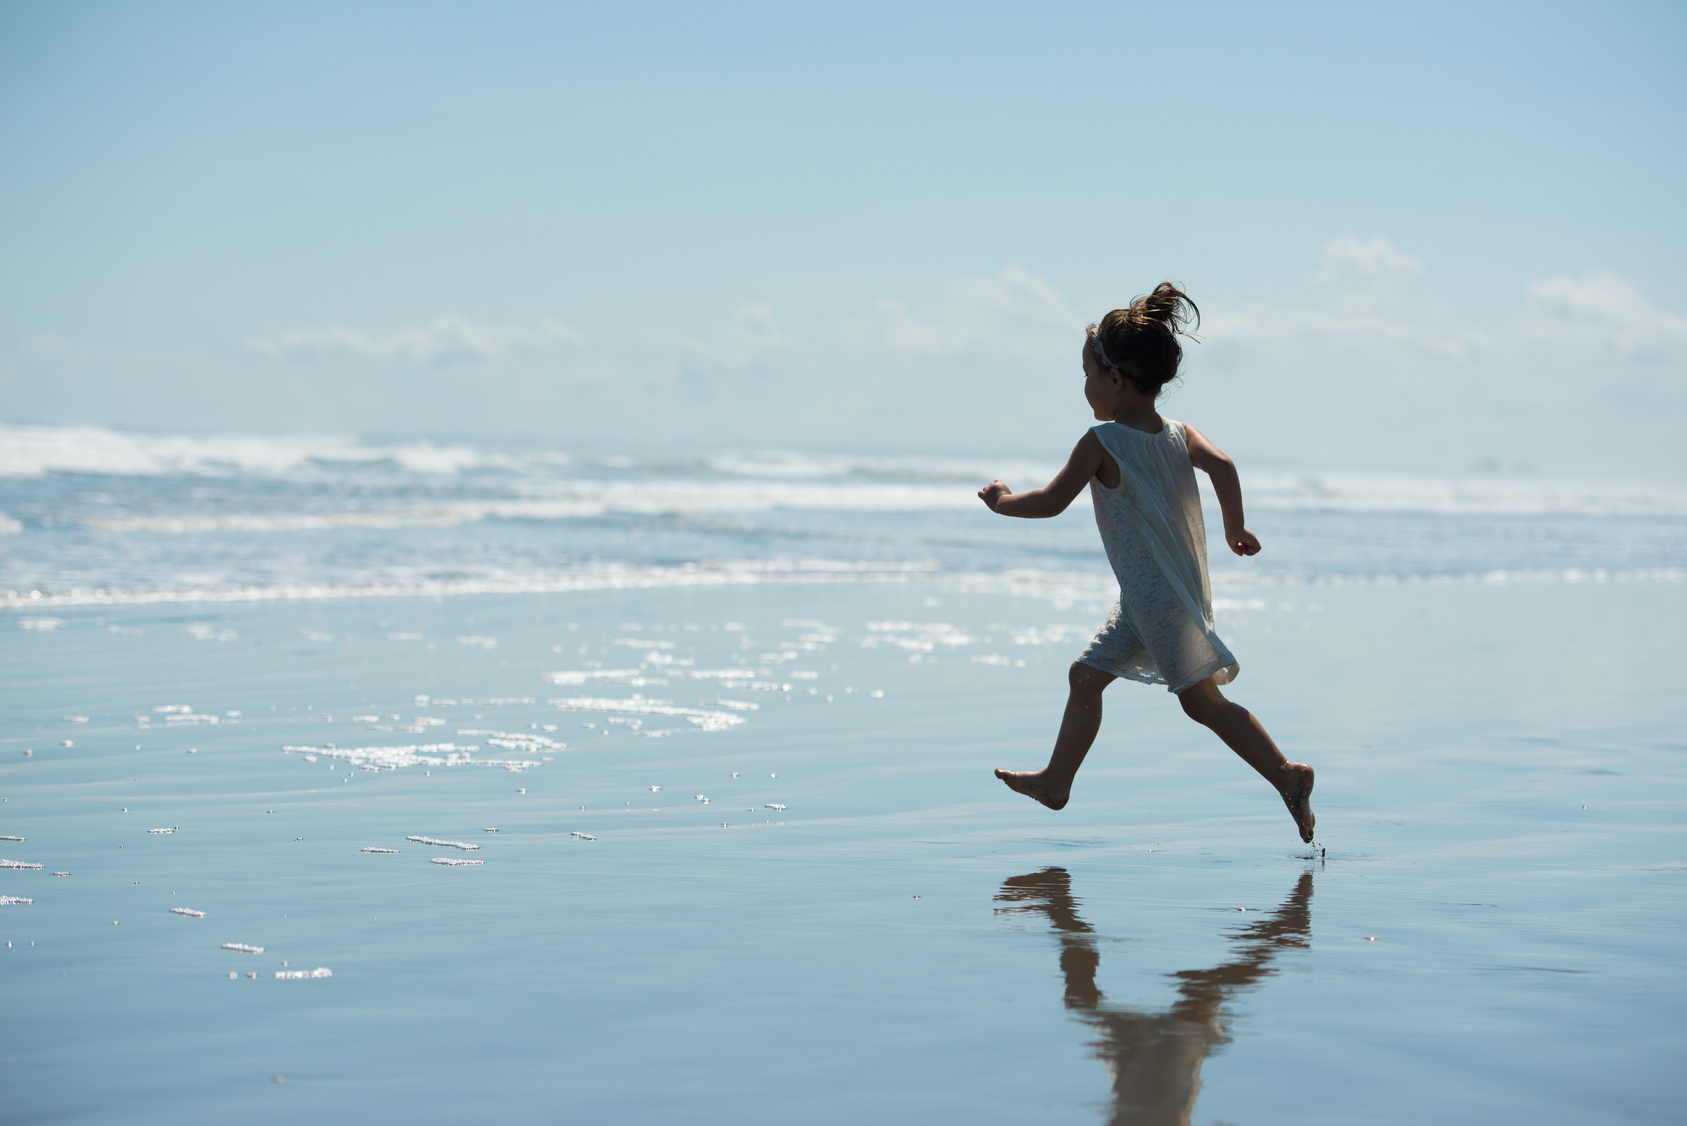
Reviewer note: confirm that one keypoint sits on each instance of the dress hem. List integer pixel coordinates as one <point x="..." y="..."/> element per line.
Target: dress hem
<point x="1232" y="669"/>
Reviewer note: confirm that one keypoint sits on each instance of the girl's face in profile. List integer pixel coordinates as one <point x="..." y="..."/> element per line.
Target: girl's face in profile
<point x="1101" y="386"/>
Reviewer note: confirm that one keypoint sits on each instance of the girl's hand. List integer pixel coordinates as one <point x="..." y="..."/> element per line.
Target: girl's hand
<point x="1242" y="543"/>
<point x="994" y="492"/>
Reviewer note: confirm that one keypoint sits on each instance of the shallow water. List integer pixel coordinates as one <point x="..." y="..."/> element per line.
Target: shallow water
<point x="904" y="940"/>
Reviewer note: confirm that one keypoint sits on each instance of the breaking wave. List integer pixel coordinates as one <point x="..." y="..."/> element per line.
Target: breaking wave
<point x="550" y="484"/>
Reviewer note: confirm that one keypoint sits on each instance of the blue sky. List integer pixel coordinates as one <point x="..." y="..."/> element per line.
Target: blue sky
<point x="1427" y="236"/>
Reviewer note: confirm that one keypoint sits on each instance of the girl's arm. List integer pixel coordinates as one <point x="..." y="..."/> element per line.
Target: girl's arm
<point x="1050" y="500"/>
<point x="1215" y="464"/>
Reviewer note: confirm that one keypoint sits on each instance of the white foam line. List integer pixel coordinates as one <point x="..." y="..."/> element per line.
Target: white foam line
<point x="15" y="900"/>
<point x="610" y="578"/>
<point x="574" y="500"/>
<point x="1501" y="577"/>
<point x="698" y="717"/>
<point x="188" y="911"/>
<point x="1391" y="493"/>
<point x="1057" y="586"/>
<point x="18" y="864"/>
<point x="741" y="678"/>
<point x="243" y="948"/>
<point x="434" y="843"/>
<point x="1053" y="585"/>
<point x="34" y="451"/>
<point x="574" y="677"/>
<point x="450" y="862"/>
<point x="516" y="740"/>
<point x="425" y="754"/>
<point x="293" y="975"/>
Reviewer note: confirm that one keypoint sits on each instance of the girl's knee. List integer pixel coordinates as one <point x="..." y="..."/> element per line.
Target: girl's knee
<point x="1083" y="678"/>
<point x="1202" y="703"/>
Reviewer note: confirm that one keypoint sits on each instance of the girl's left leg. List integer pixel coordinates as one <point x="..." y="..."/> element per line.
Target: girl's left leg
<point x="1052" y="785"/>
<point x="1242" y="733"/>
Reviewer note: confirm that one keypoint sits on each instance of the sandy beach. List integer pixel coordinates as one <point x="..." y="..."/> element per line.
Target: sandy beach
<point x="860" y="921"/>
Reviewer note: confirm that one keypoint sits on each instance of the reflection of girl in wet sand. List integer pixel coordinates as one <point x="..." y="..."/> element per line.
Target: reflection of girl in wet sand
<point x="1155" y="1058"/>
<point x="1140" y="470"/>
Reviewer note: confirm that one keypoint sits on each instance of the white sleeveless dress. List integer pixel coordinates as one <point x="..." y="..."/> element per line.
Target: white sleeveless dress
<point x="1161" y="630"/>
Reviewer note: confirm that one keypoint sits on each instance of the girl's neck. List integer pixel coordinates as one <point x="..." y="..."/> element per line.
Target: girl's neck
<point x="1140" y="415"/>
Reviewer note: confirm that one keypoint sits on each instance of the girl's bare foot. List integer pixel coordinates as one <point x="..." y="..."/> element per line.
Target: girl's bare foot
<point x="1297" y="795"/>
<point x="1035" y="784"/>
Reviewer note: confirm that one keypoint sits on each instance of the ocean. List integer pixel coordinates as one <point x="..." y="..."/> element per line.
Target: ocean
<point x="98" y="517"/>
<point x="426" y="781"/>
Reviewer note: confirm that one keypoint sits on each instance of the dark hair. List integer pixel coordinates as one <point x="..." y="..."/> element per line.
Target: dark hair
<point x="1140" y="341"/>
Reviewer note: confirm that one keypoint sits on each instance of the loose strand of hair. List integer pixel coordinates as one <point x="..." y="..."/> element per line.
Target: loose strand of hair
<point x="1170" y="306"/>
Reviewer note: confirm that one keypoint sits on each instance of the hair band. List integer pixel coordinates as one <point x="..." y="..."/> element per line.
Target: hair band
<point x="1100" y="352"/>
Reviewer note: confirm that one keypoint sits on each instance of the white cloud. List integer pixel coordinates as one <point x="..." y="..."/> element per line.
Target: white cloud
<point x="447" y="339"/>
<point x="1275" y="328"/>
<point x="1604" y="309"/>
<point x="1012" y="312"/>
<point x="1374" y="312"/>
<point x="1349" y="256"/>
<point x="1366" y="301"/>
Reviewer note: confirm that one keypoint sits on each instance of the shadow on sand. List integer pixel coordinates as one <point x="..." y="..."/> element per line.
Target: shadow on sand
<point x="1155" y="1057"/>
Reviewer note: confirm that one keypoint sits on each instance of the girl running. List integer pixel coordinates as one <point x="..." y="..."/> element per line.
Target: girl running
<point x="1140" y="469"/>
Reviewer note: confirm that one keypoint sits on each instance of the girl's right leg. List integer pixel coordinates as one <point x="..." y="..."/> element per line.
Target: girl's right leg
<point x="1242" y="733"/>
<point x="1052" y="785"/>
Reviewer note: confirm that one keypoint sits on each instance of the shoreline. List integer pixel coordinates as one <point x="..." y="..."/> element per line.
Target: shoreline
<point x="1060" y="585"/>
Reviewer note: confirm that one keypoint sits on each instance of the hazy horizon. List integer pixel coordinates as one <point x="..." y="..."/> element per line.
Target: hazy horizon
<point x="744" y="227"/>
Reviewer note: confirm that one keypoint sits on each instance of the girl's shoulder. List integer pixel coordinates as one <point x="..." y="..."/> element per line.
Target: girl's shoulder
<point x="1169" y="428"/>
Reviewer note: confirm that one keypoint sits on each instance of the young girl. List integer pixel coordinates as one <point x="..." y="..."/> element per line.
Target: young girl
<point x="1140" y="469"/>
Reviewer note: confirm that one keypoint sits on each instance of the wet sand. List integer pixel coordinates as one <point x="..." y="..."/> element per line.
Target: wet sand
<point x="904" y="940"/>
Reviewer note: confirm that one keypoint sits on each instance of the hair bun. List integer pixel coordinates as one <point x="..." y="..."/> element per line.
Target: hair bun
<point x="1168" y="305"/>
<point x="1140" y="340"/>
